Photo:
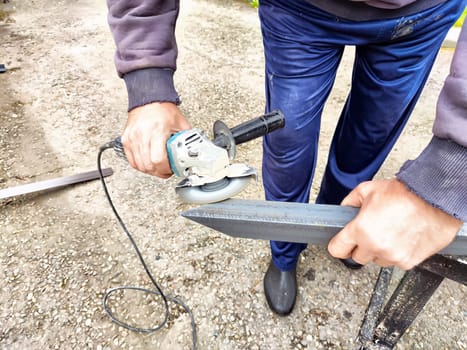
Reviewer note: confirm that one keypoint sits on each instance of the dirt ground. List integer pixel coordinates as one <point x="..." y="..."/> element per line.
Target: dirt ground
<point x="61" y="250"/>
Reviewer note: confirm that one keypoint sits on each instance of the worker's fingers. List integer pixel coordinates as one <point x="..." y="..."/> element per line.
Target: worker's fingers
<point x="147" y="130"/>
<point x="158" y="156"/>
<point x="145" y="142"/>
<point x="135" y="154"/>
<point x="129" y="155"/>
<point x="149" y="157"/>
<point x="129" y="151"/>
<point x="342" y="245"/>
<point x="362" y="256"/>
<point x="356" y="196"/>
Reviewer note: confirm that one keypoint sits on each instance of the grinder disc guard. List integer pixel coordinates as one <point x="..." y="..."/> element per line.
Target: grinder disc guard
<point x="209" y="174"/>
<point x="214" y="191"/>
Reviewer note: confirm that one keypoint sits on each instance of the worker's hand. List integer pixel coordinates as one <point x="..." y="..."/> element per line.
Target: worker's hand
<point x="394" y="227"/>
<point x="146" y="133"/>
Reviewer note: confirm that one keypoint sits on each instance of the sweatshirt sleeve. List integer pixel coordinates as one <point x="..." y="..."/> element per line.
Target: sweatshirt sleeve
<point x="146" y="49"/>
<point x="439" y="173"/>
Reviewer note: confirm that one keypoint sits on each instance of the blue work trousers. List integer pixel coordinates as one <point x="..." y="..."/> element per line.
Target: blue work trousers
<point x="303" y="47"/>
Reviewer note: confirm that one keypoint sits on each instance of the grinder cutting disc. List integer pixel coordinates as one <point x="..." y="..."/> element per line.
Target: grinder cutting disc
<point x="214" y="191"/>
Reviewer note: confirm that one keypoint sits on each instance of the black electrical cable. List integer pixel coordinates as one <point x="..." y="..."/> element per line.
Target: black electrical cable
<point x="157" y="291"/>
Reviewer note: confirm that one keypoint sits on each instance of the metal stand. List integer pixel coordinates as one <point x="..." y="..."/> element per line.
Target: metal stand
<point x="382" y="330"/>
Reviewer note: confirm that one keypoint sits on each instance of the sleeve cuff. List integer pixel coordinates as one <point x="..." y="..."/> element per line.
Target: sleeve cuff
<point x="439" y="176"/>
<point x="150" y="85"/>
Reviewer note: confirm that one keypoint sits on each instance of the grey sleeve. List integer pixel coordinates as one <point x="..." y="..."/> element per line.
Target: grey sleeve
<point x="451" y="112"/>
<point x="146" y="49"/>
<point x="439" y="173"/>
<point x="439" y="176"/>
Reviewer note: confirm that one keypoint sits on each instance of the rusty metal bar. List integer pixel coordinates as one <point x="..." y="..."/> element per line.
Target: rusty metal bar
<point x="412" y="293"/>
<point x="53" y="183"/>
<point x="451" y="268"/>
<point x="373" y="311"/>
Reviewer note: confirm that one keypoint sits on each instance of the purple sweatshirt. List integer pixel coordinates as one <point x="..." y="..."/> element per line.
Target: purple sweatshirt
<point x="439" y="174"/>
<point x="147" y="63"/>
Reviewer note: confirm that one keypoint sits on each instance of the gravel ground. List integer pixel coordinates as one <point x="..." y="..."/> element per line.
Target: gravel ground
<point x="61" y="250"/>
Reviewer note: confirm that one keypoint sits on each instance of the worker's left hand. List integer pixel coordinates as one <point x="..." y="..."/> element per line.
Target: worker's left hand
<point x="394" y="227"/>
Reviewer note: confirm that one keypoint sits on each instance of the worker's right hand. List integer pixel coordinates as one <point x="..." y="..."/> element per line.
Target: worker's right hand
<point x="394" y="226"/>
<point x="146" y="133"/>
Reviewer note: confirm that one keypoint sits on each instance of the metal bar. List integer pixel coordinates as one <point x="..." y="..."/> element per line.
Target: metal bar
<point x="412" y="293"/>
<point x="452" y="269"/>
<point x="373" y="311"/>
<point x="53" y="183"/>
<point x="291" y="222"/>
<point x="283" y="221"/>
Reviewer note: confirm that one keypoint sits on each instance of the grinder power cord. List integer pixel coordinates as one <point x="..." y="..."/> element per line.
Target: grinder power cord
<point x="157" y="290"/>
<point x="208" y="176"/>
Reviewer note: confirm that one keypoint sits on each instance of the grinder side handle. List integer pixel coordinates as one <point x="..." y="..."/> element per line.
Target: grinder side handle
<point x="258" y="127"/>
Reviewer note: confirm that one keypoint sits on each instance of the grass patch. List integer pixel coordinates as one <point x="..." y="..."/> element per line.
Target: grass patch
<point x="254" y="3"/>
<point x="461" y="19"/>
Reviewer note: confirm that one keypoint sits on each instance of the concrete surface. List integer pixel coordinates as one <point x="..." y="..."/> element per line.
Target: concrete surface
<point x="60" y="251"/>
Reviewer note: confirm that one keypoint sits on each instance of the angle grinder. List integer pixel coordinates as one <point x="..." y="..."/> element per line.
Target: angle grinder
<point x="206" y="166"/>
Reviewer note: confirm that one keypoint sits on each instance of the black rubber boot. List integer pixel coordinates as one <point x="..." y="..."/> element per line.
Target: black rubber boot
<point x="280" y="288"/>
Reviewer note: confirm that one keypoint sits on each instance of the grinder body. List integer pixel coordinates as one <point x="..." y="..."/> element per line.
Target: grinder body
<point x="206" y="166"/>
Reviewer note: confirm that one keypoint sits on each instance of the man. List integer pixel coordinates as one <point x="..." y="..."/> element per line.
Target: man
<point x="396" y="44"/>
